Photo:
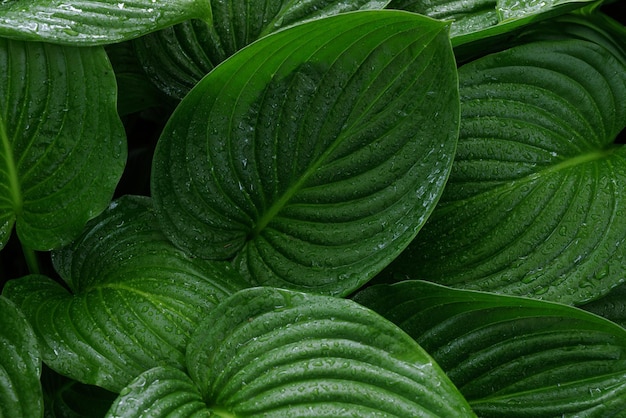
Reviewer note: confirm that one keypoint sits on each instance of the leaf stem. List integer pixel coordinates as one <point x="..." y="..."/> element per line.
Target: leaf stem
<point x="31" y="260"/>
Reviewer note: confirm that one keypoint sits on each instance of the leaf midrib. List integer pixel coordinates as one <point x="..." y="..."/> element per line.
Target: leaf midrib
<point x="510" y="185"/>
<point x="14" y="184"/>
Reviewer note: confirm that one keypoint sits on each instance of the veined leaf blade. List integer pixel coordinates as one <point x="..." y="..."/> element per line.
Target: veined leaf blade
<point x="283" y="353"/>
<point x="63" y="146"/>
<point x="134" y="299"/>
<point x="535" y="198"/>
<point x="93" y="22"/>
<point x="335" y="151"/>
<point x="20" y="365"/>
<point x="512" y="356"/>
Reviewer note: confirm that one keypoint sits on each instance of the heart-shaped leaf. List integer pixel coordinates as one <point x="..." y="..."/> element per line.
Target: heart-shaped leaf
<point x="134" y="300"/>
<point x="177" y="57"/>
<point x="535" y="202"/>
<point x="511" y="356"/>
<point x="62" y="144"/>
<point x="315" y="154"/>
<point x="93" y="22"/>
<point x="273" y="352"/>
<point x="20" y="365"/>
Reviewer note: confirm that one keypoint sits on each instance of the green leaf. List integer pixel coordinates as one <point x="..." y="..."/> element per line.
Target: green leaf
<point x="535" y="201"/>
<point x="178" y="57"/>
<point x="134" y="299"/>
<point x="93" y="22"/>
<point x="20" y="365"/>
<point x="160" y="392"/>
<point x="511" y="356"/>
<point x="315" y="154"/>
<point x="273" y="352"/>
<point x="62" y="144"/>
<point x="478" y="20"/>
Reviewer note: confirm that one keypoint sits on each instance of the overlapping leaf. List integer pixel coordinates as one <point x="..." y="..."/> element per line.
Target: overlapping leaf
<point x="611" y="306"/>
<point x="20" y="365"/>
<point x="315" y="154"/>
<point x="535" y="202"/>
<point x="510" y="356"/>
<point x="177" y="57"/>
<point x="272" y="352"/>
<point x="93" y="22"/>
<point x="62" y="144"/>
<point x="476" y="20"/>
<point x="134" y="299"/>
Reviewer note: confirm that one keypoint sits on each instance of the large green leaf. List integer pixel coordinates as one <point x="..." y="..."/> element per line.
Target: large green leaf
<point x="478" y="20"/>
<point x="273" y="352"/>
<point x="93" y="22"/>
<point x="62" y="144"/>
<point x="177" y="57"/>
<point x="20" y="365"/>
<point x="133" y="302"/>
<point x="511" y="356"/>
<point x="535" y="202"/>
<point x="315" y="154"/>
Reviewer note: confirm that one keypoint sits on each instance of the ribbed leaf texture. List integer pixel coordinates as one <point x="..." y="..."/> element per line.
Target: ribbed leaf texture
<point x="535" y="202"/>
<point x="279" y="353"/>
<point x="62" y="144"/>
<point x="511" y="356"/>
<point x="20" y="365"/>
<point x="314" y="155"/>
<point x="133" y="302"/>
<point x="177" y="57"/>
<point x="93" y="22"/>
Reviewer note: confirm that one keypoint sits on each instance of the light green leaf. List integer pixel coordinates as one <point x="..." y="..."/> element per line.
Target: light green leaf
<point x="535" y="202"/>
<point x="315" y="154"/>
<point x="511" y="356"/>
<point x="20" y="365"/>
<point x="178" y="57"/>
<point x="278" y="353"/>
<point x="93" y="22"/>
<point x="478" y="20"/>
<point x="134" y="299"/>
<point x="62" y="144"/>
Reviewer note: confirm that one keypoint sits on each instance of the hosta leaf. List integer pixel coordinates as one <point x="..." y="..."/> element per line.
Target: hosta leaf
<point x="278" y="353"/>
<point x="160" y="392"/>
<point x="315" y="154"/>
<point x="133" y="301"/>
<point x="93" y="22"/>
<point x="62" y="144"/>
<point x="178" y="57"/>
<point x="511" y="356"/>
<point x="20" y="365"/>
<point x="535" y="201"/>
<point x="476" y="20"/>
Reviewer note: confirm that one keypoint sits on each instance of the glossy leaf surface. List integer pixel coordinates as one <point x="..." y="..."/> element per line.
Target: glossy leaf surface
<point x="93" y="22"/>
<point x="476" y="20"/>
<point x="178" y="57"/>
<point x="134" y="299"/>
<point x="535" y="202"/>
<point x="316" y="154"/>
<point x="272" y="352"/>
<point x="20" y="365"/>
<point x="62" y="144"/>
<point x="511" y="356"/>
